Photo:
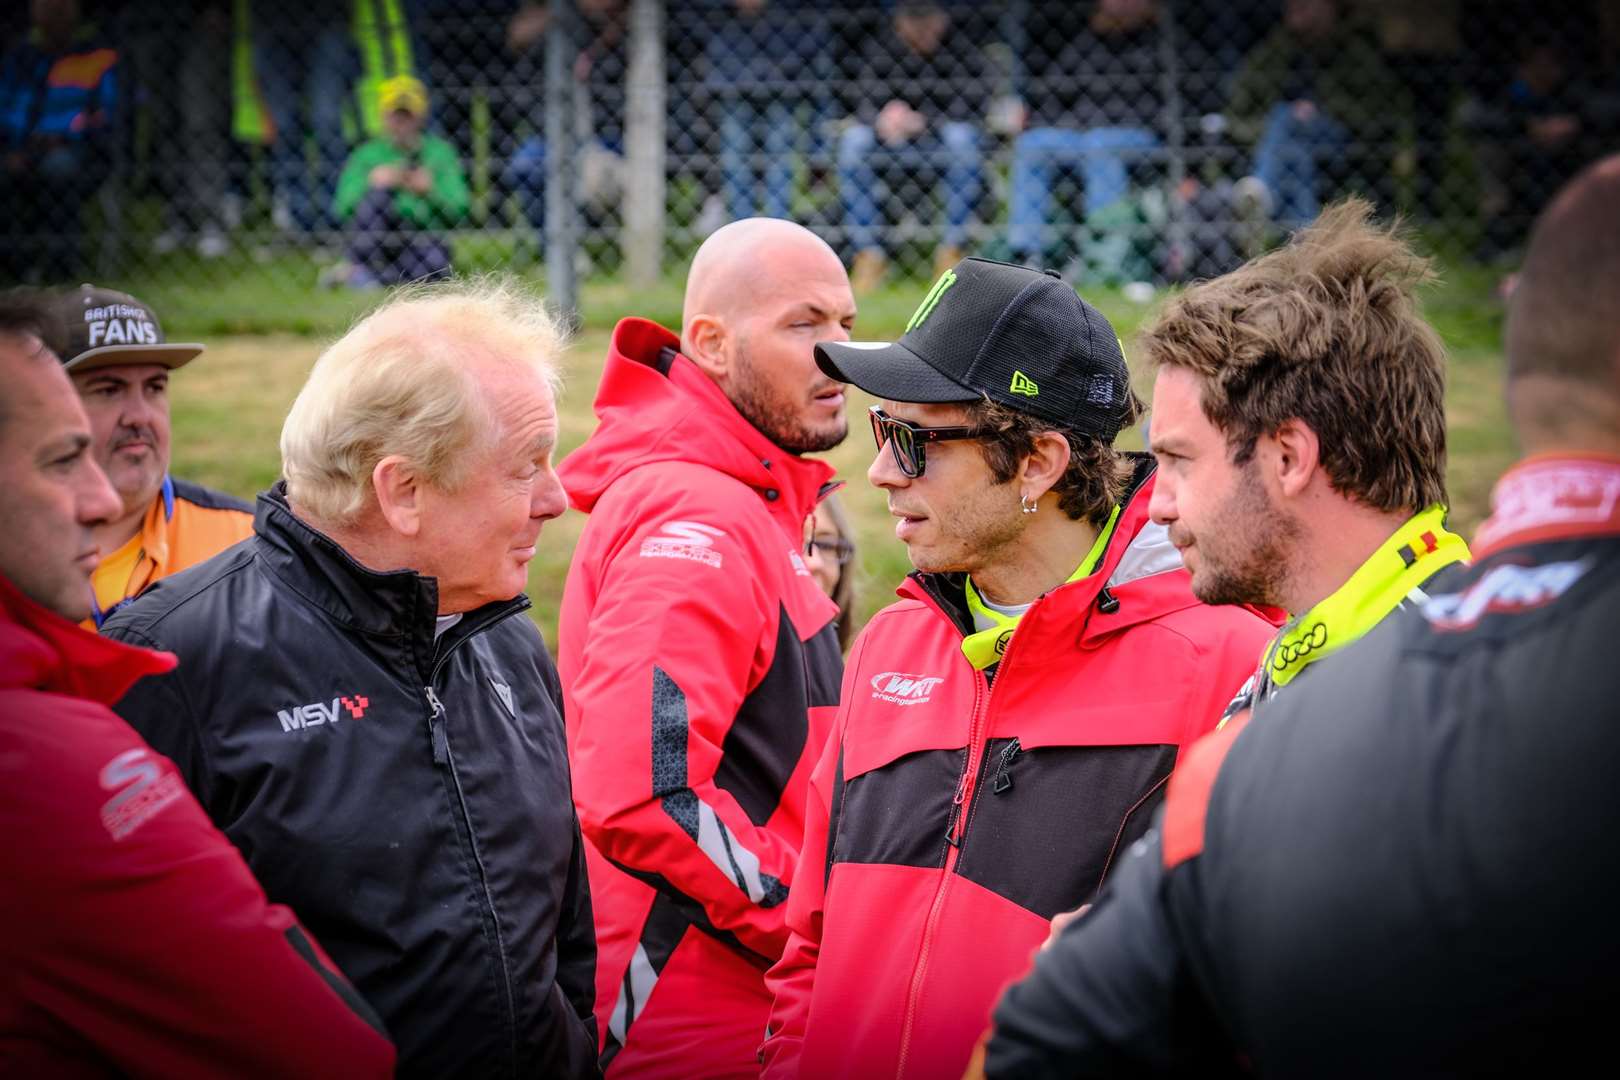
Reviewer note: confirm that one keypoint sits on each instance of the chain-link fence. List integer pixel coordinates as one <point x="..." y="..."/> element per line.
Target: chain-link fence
<point x="351" y="144"/>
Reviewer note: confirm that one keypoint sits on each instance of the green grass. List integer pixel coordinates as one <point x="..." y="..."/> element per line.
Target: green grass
<point x="263" y="337"/>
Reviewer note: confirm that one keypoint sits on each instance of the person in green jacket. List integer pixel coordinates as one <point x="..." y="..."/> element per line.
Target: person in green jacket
<point x="396" y="195"/>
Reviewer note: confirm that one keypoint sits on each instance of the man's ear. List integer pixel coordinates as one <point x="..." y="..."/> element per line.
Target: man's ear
<point x="705" y="343"/>
<point x="1296" y="458"/>
<point x="399" y="494"/>
<point x="1043" y="466"/>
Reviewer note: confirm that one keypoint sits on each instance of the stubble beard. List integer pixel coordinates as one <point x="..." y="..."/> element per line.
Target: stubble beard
<point x="778" y="419"/>
<point x="1256" y="571"/>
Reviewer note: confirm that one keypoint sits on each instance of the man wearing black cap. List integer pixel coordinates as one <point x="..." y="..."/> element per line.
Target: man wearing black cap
<point x="1006" y="729"/>
<point x="114" y="348"/>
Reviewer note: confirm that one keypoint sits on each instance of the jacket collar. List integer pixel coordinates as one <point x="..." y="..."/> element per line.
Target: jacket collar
<point x="42" y="650"/>
<point x="654" y="405"/>
<point x="1552" y="497"/>
<point x="399" y="605"/>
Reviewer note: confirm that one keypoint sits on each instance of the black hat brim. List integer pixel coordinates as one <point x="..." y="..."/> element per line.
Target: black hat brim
<point x="890" y="371"/>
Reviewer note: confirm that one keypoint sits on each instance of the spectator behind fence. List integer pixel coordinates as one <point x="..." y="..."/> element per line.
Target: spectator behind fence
<point x="61" y="99"/>
<point x="1319" y="107"/>
<point x="396" y="195"/>
<point x="1398" y="870"/>
<point x="363" y="705"/>
<point x="1532" y="130"/>
<point x="915" y="94"/>
<point x="136" y="941"/>
<point x="765" y="63"/>
<point x="829" y="553"/>
<point x="1093" y="99"/>
<point x="114" y="348"/>
<point x="699" y="659"/>
<point x="596" y="111"/>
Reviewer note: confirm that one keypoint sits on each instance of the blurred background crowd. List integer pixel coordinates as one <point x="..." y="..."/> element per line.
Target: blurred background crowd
<point x="1133" y="143"/>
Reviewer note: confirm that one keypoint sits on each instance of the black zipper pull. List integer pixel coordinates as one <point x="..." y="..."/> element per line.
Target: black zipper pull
<point x="1003" y="781"/>
<point x="441" y="741"/>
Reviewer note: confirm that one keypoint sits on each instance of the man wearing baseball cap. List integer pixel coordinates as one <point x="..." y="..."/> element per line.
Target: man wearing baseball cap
<point x="1007" y="728"/>
<point x="114" y="348"/>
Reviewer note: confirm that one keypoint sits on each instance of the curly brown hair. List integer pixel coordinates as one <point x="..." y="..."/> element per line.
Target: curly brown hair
<point x="1325" y="330"/>
<point x="1097" y="476"/>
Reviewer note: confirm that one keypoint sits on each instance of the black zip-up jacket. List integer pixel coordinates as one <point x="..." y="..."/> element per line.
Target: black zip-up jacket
<point x="407" y="796"/>
<point x="1403" y="866"/>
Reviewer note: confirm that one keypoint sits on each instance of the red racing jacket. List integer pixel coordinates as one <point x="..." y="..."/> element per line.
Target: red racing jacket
<point x="700" y="669"/>
<point x="135" y="940"/>
<point x="954" y="816"/>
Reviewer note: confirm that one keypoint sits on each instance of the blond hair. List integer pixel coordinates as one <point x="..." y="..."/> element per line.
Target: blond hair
<point x="402" y="382"/>
<point x="1325" y="330"/>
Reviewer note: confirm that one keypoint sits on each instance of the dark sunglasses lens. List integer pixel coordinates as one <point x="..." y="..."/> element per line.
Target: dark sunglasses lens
<point x="905" y="450"/>
<point x="879" y="429"/>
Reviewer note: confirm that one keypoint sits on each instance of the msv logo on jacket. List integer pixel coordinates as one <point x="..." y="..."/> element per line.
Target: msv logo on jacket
<point x="684" y="540"/>
<point x="321" y="712"/>
<point x="901" y="689"/>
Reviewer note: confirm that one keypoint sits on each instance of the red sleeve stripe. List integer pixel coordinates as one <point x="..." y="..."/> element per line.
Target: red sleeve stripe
<point x="1187" y="802"/>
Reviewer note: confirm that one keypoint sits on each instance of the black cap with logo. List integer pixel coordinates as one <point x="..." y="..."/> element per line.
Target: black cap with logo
<point x="102" y="328"/>
<point x="1019" y="336"/>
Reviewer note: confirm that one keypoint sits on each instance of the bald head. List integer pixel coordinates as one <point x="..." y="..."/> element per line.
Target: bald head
<point x="750" y="261"/>
<point x="760" y="294"/>
<point x="1563" y="328"/>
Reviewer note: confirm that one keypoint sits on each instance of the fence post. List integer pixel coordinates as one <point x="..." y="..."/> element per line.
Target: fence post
<point x="1175" y="135"/>
<point x="644" y="145"/>
<point x="562" y="210"/>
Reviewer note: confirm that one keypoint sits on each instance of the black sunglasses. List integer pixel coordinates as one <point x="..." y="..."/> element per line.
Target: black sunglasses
<point x="907" y="440"/>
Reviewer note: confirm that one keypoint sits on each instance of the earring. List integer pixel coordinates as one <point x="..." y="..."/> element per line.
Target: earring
<point x="1027" y="505"/>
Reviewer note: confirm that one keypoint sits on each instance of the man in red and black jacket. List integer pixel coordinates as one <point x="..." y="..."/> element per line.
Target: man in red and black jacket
<point x="1400" y="867"/>
<point x="135" y="940"/>
<point x="699" y="659"/>
<point x="1006" y="730"/>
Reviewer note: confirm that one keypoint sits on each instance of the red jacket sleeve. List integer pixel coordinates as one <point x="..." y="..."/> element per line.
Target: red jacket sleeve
<point x="677" y="637"/>
<point x="134" y="925"/>
<point x="792" y="981"/>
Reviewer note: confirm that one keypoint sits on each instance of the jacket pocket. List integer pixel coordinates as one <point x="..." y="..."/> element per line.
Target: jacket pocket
<point x="1049" y="821"/>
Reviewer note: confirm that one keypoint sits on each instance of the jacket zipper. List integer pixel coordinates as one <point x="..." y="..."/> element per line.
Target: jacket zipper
<point x="440" y="740"/>
<point x="1003" y="782"/>
<point x="955" y="835"/>
<point x="953" y="838"/>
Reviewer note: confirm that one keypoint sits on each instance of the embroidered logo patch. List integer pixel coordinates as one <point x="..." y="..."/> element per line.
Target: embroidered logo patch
<point x="1023" y="384"/>
<point x="143" y="789"/>
<point x="317" y="713"/>
<point x="899" y="688"/>
<point x="691" y="540"/>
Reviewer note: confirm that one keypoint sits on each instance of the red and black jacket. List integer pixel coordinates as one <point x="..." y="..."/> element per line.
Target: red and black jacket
<point x="954" y="816"/>
<point x="700" y="668"/>
<point x="135" y="940"/>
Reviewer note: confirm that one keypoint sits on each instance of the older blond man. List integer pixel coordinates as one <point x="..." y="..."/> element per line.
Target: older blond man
<point x="362" y="707"/>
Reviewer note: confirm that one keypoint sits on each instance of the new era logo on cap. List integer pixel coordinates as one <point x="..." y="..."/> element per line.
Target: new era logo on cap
<point x="1013" y="334"/>
<point x="104" y="328"/>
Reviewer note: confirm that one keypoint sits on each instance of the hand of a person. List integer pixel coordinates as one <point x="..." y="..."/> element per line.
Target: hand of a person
<point x="1060" y="922"/>
<point x="897" y="122"/>
<point x="385" y="176"/>
<point x="419" y="180"/>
